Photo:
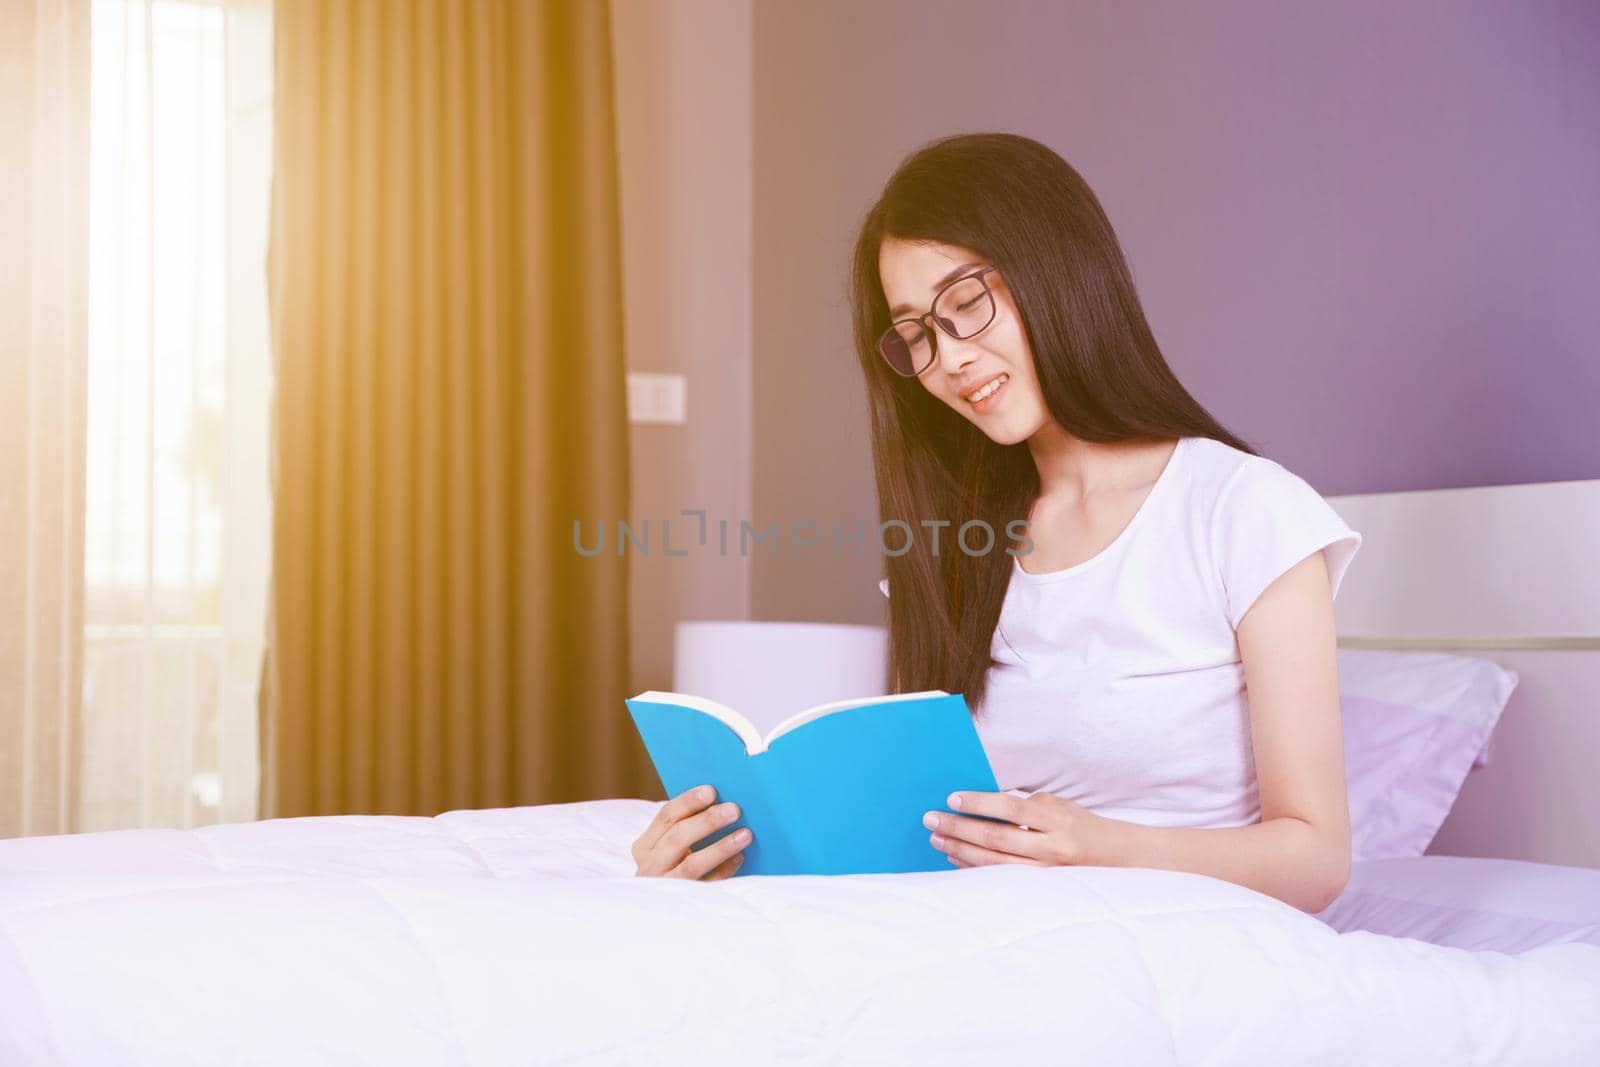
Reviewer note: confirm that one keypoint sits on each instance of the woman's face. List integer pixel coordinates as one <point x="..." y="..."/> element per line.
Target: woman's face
<point x="912" y="273"/>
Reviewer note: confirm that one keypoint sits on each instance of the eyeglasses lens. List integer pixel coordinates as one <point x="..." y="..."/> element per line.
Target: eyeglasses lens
<point x="962" y="310"/>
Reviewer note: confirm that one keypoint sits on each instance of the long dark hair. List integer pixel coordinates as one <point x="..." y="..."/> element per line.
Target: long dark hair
<point x="1020" y="205"/>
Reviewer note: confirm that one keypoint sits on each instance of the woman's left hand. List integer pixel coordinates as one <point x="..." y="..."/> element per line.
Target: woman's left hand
<point x="1044" y="830"/>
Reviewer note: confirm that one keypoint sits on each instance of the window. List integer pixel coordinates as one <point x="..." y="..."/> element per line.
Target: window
<point x="177" y="515"/>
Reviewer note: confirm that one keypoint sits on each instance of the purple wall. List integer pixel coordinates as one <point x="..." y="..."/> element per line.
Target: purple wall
<point x="1367" y="234"/>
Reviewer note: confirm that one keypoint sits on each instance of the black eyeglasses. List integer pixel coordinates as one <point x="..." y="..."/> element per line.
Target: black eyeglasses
<point x="962" y="309"/>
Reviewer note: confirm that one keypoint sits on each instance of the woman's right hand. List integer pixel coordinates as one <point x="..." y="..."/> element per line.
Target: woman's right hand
<point x="663" y="849"/>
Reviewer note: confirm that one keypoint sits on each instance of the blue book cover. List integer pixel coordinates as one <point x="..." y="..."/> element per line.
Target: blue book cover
<point x="836" y="789"/>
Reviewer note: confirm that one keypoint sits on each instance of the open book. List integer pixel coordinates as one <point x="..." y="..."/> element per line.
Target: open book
<point x="839" y="788"/>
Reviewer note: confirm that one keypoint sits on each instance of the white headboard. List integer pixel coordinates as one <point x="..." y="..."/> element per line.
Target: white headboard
<point x="1512" y="574"/>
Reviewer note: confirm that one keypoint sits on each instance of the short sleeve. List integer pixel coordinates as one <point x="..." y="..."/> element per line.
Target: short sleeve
<point x="884" y="585"/>
<point x="1267" y="520"/>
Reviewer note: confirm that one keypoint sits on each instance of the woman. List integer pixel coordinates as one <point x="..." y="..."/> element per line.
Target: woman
<point x="1169" y="569"/>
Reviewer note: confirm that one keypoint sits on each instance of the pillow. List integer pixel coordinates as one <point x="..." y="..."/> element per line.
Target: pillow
<point x="1496" y="904"/>
<point x="1414" y="724"/>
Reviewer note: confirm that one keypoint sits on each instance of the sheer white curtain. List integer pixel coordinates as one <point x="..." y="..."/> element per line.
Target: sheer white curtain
<point x="165" y="615"/>
<point x="43" y="168"/>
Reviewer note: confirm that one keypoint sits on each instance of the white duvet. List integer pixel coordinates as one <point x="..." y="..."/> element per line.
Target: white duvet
<point x="519" y="936"/>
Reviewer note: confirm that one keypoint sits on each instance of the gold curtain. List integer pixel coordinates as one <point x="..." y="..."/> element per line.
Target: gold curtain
<point x="446" y="294"/>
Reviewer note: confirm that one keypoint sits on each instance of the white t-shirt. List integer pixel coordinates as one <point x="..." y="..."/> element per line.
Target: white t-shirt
<point x="1119" y="683"/>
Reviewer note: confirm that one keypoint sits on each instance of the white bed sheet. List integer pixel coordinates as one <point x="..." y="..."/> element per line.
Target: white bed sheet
<point x="1471" y="902"/>
<point x="519" y="936"/>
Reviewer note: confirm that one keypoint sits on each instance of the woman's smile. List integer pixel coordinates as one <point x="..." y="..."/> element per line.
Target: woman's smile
<point x="988" y="397"/>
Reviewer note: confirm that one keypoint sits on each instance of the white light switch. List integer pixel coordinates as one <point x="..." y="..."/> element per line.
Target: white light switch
<point x="657" y="398"/>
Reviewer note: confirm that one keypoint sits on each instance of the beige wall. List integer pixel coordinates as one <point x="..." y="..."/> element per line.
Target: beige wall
<point x="683" y="79"/>
<point x="833" y="117"/>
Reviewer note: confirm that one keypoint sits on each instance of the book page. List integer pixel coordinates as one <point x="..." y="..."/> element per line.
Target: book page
<point x="740" y="725"/>
<point x="801" y="718"/>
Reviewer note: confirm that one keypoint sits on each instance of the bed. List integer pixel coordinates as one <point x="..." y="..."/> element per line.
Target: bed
<point x="519" y="936"/>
